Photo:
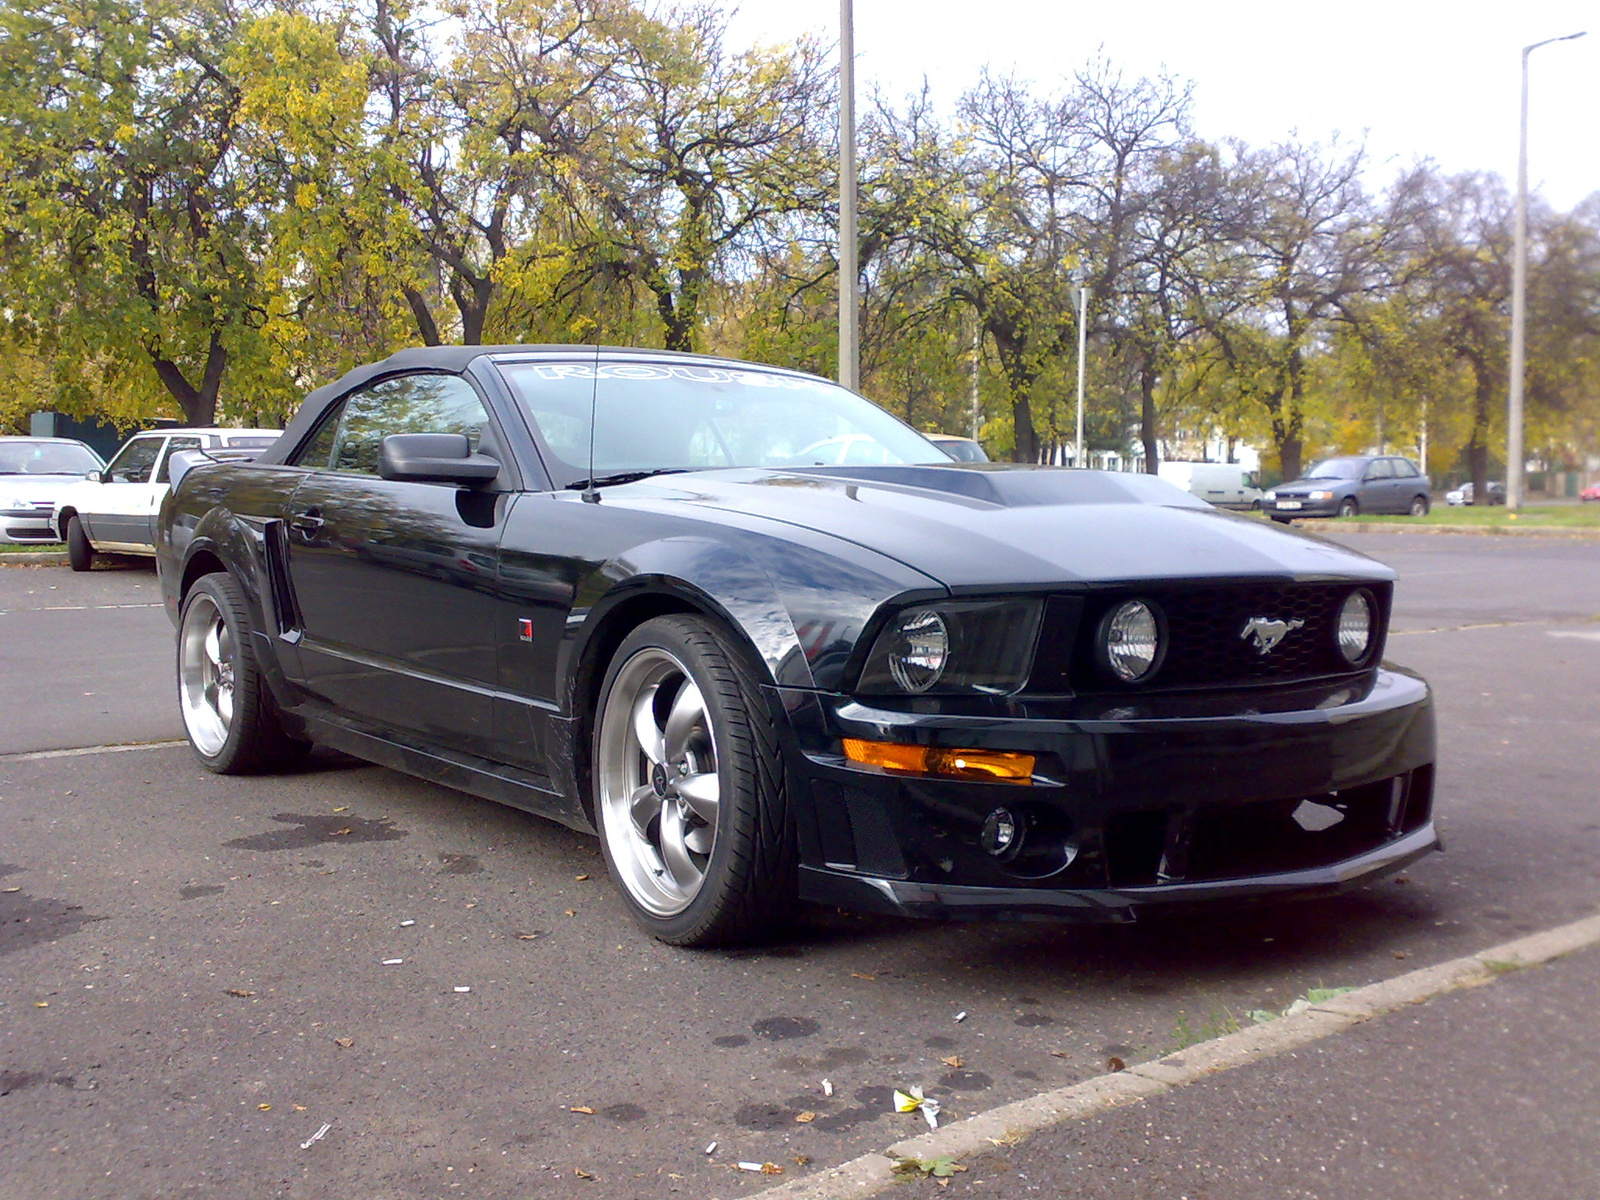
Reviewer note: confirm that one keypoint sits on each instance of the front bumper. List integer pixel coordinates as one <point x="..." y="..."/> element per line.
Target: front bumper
<point x="31" y="524"/>
<point x="1299" y="506"/>
<point x="1173" y="801"/>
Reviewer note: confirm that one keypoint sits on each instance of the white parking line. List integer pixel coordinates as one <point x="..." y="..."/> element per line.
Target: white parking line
<point x="6" y="612"/>
<point x="33" y="754"/>
<point x="1577" y="633"/>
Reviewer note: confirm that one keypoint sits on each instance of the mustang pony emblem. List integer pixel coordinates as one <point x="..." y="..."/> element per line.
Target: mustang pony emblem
<point x="1267" y="634"/>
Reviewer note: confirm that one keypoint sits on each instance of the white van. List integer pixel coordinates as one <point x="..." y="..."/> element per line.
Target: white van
<point x="1227" y="485"/>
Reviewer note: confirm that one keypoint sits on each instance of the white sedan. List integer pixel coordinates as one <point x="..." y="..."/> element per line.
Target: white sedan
<point x="114" y="511"/>
<point x="34" y="471"/>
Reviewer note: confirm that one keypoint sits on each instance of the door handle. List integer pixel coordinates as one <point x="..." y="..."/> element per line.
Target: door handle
<point x="307" y="522"/>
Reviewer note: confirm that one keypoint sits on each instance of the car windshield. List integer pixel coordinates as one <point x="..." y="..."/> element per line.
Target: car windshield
<point x="1338" y="468"/>
<point x="657" y="417"/>
<point x="47" y="458"/>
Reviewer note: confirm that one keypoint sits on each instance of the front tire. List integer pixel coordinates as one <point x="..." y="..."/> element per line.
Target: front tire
<point x="79" y="552"/>
<point x="1348" y="507"/>
<point x="689" y="793"/>
<point x="233" y="722"/>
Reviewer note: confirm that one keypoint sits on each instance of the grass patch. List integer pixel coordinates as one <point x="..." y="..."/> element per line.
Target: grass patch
<point x="30" y="547"/>
<point x="1217" y="1024"/>
<point x="1492" y="517"/>
<point x="1501" y="966"/>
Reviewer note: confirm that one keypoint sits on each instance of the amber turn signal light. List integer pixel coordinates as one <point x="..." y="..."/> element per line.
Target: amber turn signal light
<point x="992" y="765"/>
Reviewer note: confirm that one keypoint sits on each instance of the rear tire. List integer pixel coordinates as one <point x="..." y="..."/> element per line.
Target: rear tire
<point x="689" y="790"/>
<point x="1348" y="507"/>
<point x="79" y="552"/>
<point x="1419" y="506"/>
<point x="229" y="714"/>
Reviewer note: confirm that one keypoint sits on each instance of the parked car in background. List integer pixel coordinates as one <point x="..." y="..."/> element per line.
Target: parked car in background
<point x="1226" y="485"/>
<point x="33" y="473"/>
<point x="893" y="681"/>
<point x="1592" y="492"/>
<point x="1343" y="487"/>
<point x="961" y="449"/>
<point x="1495" y="490"/>
<point x="114" y="510"/>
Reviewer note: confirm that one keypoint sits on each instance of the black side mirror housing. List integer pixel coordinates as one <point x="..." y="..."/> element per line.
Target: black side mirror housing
<point x="434" y="458"/>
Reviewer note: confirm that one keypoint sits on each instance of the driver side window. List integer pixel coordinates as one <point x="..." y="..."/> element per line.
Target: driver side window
<point x="135" y="462"/>
<point x="349" y="436"/>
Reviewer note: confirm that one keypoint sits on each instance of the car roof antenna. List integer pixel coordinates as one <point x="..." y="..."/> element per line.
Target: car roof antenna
<point x="591" y="494"/>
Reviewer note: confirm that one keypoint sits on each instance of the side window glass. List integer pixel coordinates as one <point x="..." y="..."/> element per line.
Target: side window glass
<point x="1403" y="468"/>
<point x="173" y="446"/>
<point x="135" y="461"/>
<point x="1378" y="468"/>
<point x="316" y="453"/>
<point x="405" y="404"/>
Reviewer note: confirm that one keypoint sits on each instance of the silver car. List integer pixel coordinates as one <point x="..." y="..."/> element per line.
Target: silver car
<point x="33" y="473"/>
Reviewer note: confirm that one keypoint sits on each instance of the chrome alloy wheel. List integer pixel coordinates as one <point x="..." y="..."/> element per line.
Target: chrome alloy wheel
<point x="205" y="675"/>
<point x="656" y="782"/>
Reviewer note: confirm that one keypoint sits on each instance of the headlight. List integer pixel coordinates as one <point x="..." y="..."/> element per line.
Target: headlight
<point x="1320" y="496"/>
<point x="961" y="646"/>
<point x="1270" y="496"/>
<point x="1356" y="627"/>
<point x="1130" y="640"/>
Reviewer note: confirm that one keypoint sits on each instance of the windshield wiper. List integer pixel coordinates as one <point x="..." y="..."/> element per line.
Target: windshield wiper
<point x="624" y="477"/>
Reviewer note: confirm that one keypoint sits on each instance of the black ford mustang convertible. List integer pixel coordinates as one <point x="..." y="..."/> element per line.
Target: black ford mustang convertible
<point x="771" y="643"/>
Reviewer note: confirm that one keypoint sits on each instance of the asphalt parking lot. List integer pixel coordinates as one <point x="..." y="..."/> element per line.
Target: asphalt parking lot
<point x="197" y="974"/>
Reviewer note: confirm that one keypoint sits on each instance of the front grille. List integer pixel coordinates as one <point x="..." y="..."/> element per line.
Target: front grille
<point x="1204" y="628"/>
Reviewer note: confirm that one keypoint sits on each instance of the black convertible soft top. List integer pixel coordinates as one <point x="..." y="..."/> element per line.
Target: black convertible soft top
<point x="442" y="358"/>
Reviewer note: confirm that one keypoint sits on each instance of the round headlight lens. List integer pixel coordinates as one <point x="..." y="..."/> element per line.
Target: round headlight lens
<point x="1355" y="627"/>
<point x="920" y="651"/>
<point x="1132" y="640"/>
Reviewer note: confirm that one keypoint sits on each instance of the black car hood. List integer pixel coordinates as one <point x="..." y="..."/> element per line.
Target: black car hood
<point x="986" y="526"/>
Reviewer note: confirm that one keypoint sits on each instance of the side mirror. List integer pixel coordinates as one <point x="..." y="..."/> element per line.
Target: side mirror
<point x="95" y="477"/>
<point x="434" y="458"/>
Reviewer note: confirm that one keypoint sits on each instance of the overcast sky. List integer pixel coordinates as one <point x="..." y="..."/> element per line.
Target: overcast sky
<point x="1435" y="80"/>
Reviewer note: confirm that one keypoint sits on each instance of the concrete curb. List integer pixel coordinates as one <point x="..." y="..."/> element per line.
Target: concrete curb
<point x="34" y="558"/>
<point x="872" y="1173"/>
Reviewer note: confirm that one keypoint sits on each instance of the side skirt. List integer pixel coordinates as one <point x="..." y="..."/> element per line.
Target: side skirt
<point x="465" y="773"/>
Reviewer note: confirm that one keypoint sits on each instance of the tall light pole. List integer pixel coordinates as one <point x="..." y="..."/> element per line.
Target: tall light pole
<point x="1519" y="296"/>
<point x="1083" y="342"/>
<point x="849" y="270"/>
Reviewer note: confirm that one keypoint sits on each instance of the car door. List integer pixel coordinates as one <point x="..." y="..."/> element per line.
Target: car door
<point x="1408" y="483"/>
<point x="394" y="580"/>
<point x="1377" y="487"/>
<point x="116" y="515"/>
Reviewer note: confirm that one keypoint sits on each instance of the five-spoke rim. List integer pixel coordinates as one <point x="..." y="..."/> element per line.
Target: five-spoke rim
<point x="656" y="782"/>
<point x="205" y="675"/>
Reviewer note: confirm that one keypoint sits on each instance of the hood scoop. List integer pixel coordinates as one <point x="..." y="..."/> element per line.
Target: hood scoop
<point x="1006" y="485"/>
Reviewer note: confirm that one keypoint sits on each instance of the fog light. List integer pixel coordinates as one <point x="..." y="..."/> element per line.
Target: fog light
<point x="1002" y="833"/>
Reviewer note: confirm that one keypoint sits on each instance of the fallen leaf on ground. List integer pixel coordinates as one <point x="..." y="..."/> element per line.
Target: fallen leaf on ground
<point x="582" y="1108"/>
<point x="953" y="1060"/>
<point x="582" y="1174"/>
<point x="526" y="937"/>
<point x="801" y="1160"/>
<point x="340" y="832"/>
<point x="572" y="912"/>
<point x="346" y="1043"/>
<point x="263" y="1108"/>
<point x="1115" y="1064"/>
<point x="805" y="1118"/>
<point x="580" y="878"/>
<point x="239" y="992"/>
<point x="861" y="975"/>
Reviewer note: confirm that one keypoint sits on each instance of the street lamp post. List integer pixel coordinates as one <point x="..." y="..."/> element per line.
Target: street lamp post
<point x="849" y="270"/>
<point x="1519" y="296"/>
<point x="1083" y="339"/>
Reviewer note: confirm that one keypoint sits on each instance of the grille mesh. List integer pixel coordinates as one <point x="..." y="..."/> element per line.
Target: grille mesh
<point x="1206" y="646"/>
